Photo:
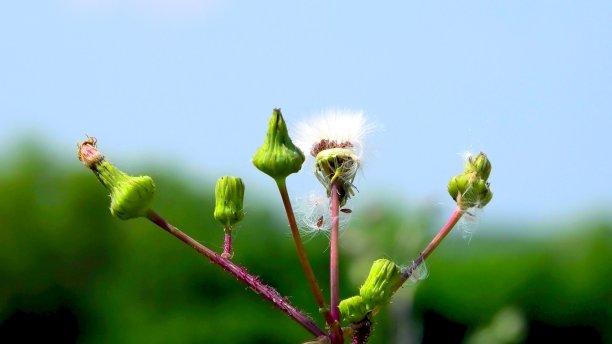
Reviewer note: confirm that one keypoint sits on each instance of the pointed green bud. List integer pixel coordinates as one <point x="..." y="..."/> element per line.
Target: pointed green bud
<point x="479" y="164"/>
<point x="131" y="197"/>
<point x="278" y="157"/>
<point x="380" y="284"/>
<point x="229" y="199"/>
<point x="353" y="309"/>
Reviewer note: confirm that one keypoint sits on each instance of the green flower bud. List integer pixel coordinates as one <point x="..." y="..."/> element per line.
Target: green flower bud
<point x="353" y="309"/>
<point x="471" y="189"/>
<point x="131" y="197"/>
<point x="229" y="199"/>
<point x="378" y="288"/>
<point x="278" y="157"/>
<point x="337" y="164"/>
<point x="479" y="164"/>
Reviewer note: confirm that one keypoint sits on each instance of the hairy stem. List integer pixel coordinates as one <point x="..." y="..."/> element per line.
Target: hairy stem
<point x="334" y="262"/>
<point x="241" y="274"/>
<point x="452" y="221"/>
<point x="361" y="331"/>
<point x="228" y="252"/>
<point x="299" y="246"/>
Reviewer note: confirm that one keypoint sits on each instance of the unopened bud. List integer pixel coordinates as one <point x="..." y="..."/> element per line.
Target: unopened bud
<point x="229" y="199"/>
<point x="353" y="309"/>
<point x="278" y="157"/>
<point x="470" y="188"/>
<point x="131" y="197"/>
<point x="378" y="288"/>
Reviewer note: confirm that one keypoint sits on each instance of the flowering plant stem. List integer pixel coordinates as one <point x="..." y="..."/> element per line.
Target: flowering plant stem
<point x="452" y="221"/>
<point x="334" y="262"/>
<point x="241" y="274"/>
<point x="299" y="246"/>
<point x="227" y="243"/>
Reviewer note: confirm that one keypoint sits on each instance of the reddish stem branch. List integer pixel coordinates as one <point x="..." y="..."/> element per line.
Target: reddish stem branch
<point x="228" y="252"/>
<point x="452" y="221"/>
<point x="361" y="331"/>
<point x="241" y="274"/>
<point x="334" y="262"/>
<point x="299" y="246"/>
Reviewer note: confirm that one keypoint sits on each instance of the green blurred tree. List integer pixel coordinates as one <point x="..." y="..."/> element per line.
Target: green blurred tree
<point x="70" y="270"/>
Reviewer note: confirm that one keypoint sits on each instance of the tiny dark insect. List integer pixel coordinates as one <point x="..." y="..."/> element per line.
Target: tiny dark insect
<point x="346" y="210"/>
<point x="320" y="222"/>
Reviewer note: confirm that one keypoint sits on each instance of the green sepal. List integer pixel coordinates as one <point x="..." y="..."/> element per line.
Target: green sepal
<point x="337" y="165"/>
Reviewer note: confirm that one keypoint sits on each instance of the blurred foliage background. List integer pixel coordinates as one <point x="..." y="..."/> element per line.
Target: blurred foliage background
<point x="73" y="273"/>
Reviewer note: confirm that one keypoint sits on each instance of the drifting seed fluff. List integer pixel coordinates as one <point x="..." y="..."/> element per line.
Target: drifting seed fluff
<point x="314" y="216"/>
<point x="469" y="223"/>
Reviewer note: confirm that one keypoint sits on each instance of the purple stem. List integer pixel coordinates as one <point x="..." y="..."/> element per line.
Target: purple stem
<point x="227" y="243"/>
<point x="334" y="263"/>
<point x="303" y="258"/>
<point x="241" y="274"/>
<point x="361" y="331"/>
<point x="452" y="221"/>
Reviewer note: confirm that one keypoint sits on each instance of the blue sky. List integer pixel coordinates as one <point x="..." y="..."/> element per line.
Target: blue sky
<point x="189" y="84"/>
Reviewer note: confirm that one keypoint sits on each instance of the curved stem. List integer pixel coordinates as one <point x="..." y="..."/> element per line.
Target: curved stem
<point x="299" y="246"/>
<point x="241" y="274"/>
<point x="452" y="221"/>
<point x="334" y="262"/>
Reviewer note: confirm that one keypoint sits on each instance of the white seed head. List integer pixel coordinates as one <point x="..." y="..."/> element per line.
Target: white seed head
<point x="341" y="127"/>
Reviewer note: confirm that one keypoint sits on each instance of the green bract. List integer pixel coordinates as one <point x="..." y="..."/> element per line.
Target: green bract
<point x="353" y="309"/>
<point x="278" y="157"/>
<point x="229" y="199"/>
<point x="337" y="165"/>
<point x="479" y="164"/>
<point x="131" y="197"/>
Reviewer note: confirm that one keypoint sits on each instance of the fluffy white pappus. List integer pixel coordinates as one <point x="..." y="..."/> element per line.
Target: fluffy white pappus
<point x="334" y="125"/>
<point x="466" y="155"/>
<point x="469" y="223"/>
<point x="313" y="215"/>
<point x="420" y="273"/>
